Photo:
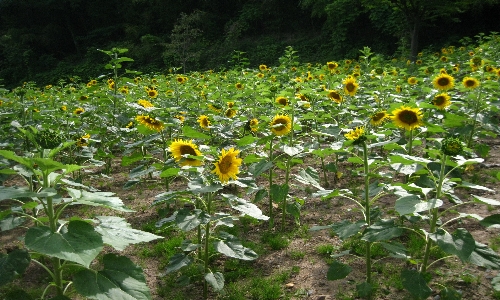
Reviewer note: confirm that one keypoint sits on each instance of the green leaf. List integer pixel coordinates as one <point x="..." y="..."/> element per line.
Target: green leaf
<point x="178" y="261"/>
<point x="382" y="230"/>
<point x="246" y="140"/>
<point x="355" y="160"/>
<point x="135" y="157"/>
<point x="292" y="151"/>
<point x="216" y="280"/>
<point x="170" y="172"/>
<point x="484" y="257"/>
<point x="486" y="200"/>
<point x="495" y="282"/>
<point x="406" y="169"/>
<point x="491" y="220"/>
<point x="245" y="207"/>
<point x="230" y="246"/>
<point x="120" y="278"/>
<point x="98" y="199"/>
<point x="10" y="221"/>
<point x="27" y="162"/>
<point x="364" y="289"/>
<point x="460" y="243"/>
<point x="396" y="249"/>
<point x="140" y="171"/>
<point x="80" y="244"/>
<point x="11" y="192"/>
<point x="199" y="187"/>
<point x="338" y="270"/>
<point x="193" y="133"/>
<point x="118" y="233"/>
<point x="260" y="167"/>
<point x="450" y="294"/>
<point x="171" y="197"/>
<point x="279" y="192"/>
<point x="17" y="295"/>
<point x="187" y="219"/>
<point x="412" y="204"/>
<point x="414" y="282"/>
<point x="13" y="264"/>
<point x="309" y="176"/>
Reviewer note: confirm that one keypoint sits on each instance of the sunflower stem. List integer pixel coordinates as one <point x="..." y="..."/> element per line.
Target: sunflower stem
<point x="367" y="212"/>
<point x="283" y="208"/>
<point x="474" y="120"/>
<point x="271" y="217"/>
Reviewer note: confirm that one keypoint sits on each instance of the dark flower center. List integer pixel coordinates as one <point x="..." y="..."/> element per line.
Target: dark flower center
<point x="407" y="116"/>
<point x="443" y="81"/>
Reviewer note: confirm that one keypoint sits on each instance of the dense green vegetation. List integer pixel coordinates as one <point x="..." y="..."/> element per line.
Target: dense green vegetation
<point x="46" y="40"/>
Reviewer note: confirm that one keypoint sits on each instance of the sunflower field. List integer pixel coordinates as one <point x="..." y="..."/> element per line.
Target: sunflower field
<point x="367" y="178"/>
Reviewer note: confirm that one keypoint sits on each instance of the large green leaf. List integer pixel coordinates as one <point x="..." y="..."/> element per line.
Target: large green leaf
<point x="230" y="246"/>
<point x="279" y="191"/>
<point x="412" y="204"/>
<point x="27" y="162"/>
<point x="396" y="249"/>
<point x="450" y="294"/>
<point x="9" y="221"/>
<point x="118" y="233"/>
<point x="216" y="280"/>
<point x="495" y="283"/>
<point x="309" y="176"/>
<point x="178" y="261"/>
<point x="260" y="167"/>
<point x="484" y="257"/>
<point x="414" y="282"/>
<point x="382" y="230"/>
<point x="13" y="264"/>
<point x="245" y="207"/>
<point x="193" y="133"/>
<point x="120" y="278"/>
<point x="80" y="244"/>
<point x="492" y="220"/>
<point x="486" y="200"/>
<point x="338" y="270"/>
<point x="105" y="199"/>
<point x="343" y="229"/>
<point x="10" y="192"/>
<point x="460" y="243"/>
<point x="198" y="186"/>
<point x="405" y="168"/>
<point x="188" y="219"/>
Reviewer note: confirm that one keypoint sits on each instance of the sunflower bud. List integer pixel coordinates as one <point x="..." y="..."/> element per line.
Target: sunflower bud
<point x="452" y="146"/>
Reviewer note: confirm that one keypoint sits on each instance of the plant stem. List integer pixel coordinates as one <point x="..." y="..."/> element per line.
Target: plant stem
<point x="434" y="216"/>
<point x="283" y="208"/>
<point x="474" y="121"/>
<point x="367" y="213"/>
<point x="271" y="217"/>
<point x="206" y="254"/>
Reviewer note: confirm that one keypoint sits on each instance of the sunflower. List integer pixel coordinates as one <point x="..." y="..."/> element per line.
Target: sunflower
<point x="335" y="96"/>
<point x="228" y="165"/>
<point x="124" y="90"/>
<point x="78" y="111"/>
<point x="378" y="118"/>
<point x="181" y="118"/>
<point x="230" y="113"/>
<point x="398" y="89"/>
<point x="204" y="122"/>
<point x="418" y="62"/>
<point x="89" y="84"/>
<point x="150" y="122"/>
<point x="470" y="82"/>
<point x="452" y="146"/>
<point x="180" y="79"/>
<point x="262" y="67"/>
<point x="412" y="80"/>
<point x="348" y="61"/>
<point x="180" y="149"/>
<point x="145" y="103"/>
<point x="281" y="125"/>
<point x="129" y="125"/>
<point x="252" y="125"/>
<point x="407" y="117"/>
<point x="443" y="59"/>
<point x="63" y="108"/>
<point x="152" y="93"/>
<point x="230" y="104"/>
<point x="111" y="86"/>
<point x="332" y="65"/>
<point x="443" y="82"/>
<point x="357" y="135"/>
<point x="283" y="101"/>
<point x="260" y="75"/>
<point x="83" y="98"/>
<point x="350" y="86"/>
<point x="442" y="100"/>
<point x="83" y="141"/>
<point x="239" y="86"/>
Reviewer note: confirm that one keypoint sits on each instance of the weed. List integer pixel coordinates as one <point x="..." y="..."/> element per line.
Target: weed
<point x="326" y="249"/>
<point x="275" y="240"/>
<point x="297" y="254"/>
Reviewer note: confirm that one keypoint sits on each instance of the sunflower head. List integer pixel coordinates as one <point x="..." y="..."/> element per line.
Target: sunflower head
<point x="63" y="108"/>
<point x="83" y="98"/>
<point x="332" y="65"/>
<point x="181" y="150"/>
<point x="378" y="118"/>
<point x="350" y="86"/>
<point x="228" y="165"/>
<point x="78" y="111"/>
<point x="407" y="117"/>
<point x="281" y="125"/>
<point x="150" y="122"/>
<point x="335" y="96"/>
<point x="204" y="122"/>
<point x="230" y="112"/>
<point x="452" y="146"/>
<point x="238" y="86"/>
<point x="442" y="100"/>
<point x="477" y="61"/>
<point x="252" y="125"/>
<point x="357" y="135"/>
<point x="470" y="83"/>
<point x="145" y="103"/>
<point x="443" y="81"/>
<point x="412" y="80"/>
<point x="283" y="101"/>
<point x="262" y="68"/>
<point x="152" y="93"/>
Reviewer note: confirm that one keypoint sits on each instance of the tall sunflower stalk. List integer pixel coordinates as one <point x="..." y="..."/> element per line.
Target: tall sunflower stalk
<point x="476" y="105"/>
<point x="271" y="214"/>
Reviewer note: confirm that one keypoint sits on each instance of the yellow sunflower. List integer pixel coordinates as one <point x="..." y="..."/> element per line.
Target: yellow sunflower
<point x="378" y="118"/>
<point x="260" y="75"/>
<point x="283" y="101"/>
<point x="443" y="82"/>
<point x="350" y="86"/>
<point x="180" y="149"/>
<point x="262" y="67"/>
<point x="332" y="65"/>
<point x="204" y="122"/>
<point x="83" y="141"/>
<point x="239" y="86"/>
<point x="78" y="111"/>
<point x="356" y="135"/>
<point x="412" y="80"/>
<point x="215" y="107"/>
<point x="253" y="125"/>
<point x="407" y="117"/>
<point x="152" y="93"/>
<point x="181" y="118"/>
<point x="230" y="104"/>
<point x="335" y="96"/>
<point x="228" y="165"/>
<point x="63" y="108"/>
<point x="150" y="122"/>
<point x="145" y="103"/>
<point x="398" y="89"/>
<point x="470" y="82"/>
<point x="442" y="100"/>
<point x="83" y="98"/>
<point x="281" y="125"/>
<point x="230" y="113"/>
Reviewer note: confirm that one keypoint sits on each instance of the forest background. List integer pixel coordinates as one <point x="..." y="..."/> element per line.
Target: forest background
<point x="50" y="40"/>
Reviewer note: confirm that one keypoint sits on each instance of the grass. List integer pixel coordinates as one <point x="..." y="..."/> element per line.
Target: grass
<point x="276" y="241"/>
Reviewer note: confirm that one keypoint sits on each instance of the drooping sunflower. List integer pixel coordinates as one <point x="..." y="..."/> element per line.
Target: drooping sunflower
<point x="350" y="86"/>
<point x="204" y="122"/>
<point x="281" y="125"/>
<point x="180" y="149"/>
<point x="78" y="111"/>
<point x="253" y="125"/>
<point x="150" y="122"/>
<point x="470" y="83"/>
<point x="152" y="93"/>
<point x="215" y="107"/>
<point x="442" y="100"/>
<point x="83" y="141"/>
<point x="407" y="117"/>
<point x="230" y="112"/>
<point x="228" y="165"/>
<point x="357" y="135"/>
<point x="443" y="82"/>
<point x="398" y="89"/>
<point x="378" y="118"/>
<point x="412" y="80"/>
<point x="283" y="101"/>
<point x="145" y="103"/>
<point x="335" y="96"/>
